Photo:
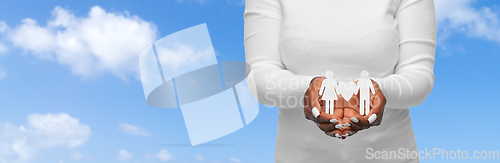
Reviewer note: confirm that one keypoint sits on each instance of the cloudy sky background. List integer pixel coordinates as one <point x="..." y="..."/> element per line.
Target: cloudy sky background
<point x="70" y="88"/>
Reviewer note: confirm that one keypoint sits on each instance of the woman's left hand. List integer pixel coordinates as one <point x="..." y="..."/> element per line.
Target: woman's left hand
<point x="353" y="122"/>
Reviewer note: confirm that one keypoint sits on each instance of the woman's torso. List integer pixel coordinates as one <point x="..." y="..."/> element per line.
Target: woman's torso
<point x="345" y="37"/>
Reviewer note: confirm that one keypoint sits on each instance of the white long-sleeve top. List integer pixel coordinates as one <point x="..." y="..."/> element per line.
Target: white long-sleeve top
<point x="288" y="42"/>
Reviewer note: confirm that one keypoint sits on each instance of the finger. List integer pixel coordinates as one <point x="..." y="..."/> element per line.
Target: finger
<point x="351" y="114"/>
<point x="377" y="100"/>
<point x="347" y="122"/>
<point x="372" y="118"/>
<point x="335" y="133"/>
<point x="308" y="104"/>
<point x="375" y="119"/>
<point x="313" y="98"/>
<point x="307" y="112"/>
<point x="338" y="113"/>
<point x="348" y="133"/>
<point x="310" y="111"/>
<point x="362" y="121"/>
<point x="312" y="108"/>
<point x="378" y="121"/>
<point x="345" y="133"/>
<point x="326" y="126"/>
<point x="327" y="118"/>
<point x="377" y="104"/>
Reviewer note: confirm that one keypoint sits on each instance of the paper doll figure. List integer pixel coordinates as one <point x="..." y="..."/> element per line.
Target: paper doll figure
<point x="364" y="87"/>
<point x="329" y="91"/>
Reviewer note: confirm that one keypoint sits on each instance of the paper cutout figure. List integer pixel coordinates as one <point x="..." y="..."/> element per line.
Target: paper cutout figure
<point x="347" y="89"/>
<point x="364" y="87"/>
<point x="329" y="91"/>
<point x="330" y="88"/>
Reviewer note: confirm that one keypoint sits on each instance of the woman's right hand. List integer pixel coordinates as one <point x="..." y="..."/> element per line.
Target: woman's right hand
<point x="354" y="122"/>
<point x="314" y="110"/>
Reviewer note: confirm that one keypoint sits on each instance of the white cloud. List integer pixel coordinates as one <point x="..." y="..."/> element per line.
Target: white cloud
<point x="461" y="16"/>
<point x="20" y="144"/>
<point x="3" y="74"/>
<point x="134" y="130"/>
<point x="58" y="130"/>
<point x="32" y="37"/>
<point x="14" y="145"/>
<point x="3" y="48"/>
<point x="180" y="56"/>
<point x="100" y="42"/>
<point x="163" y="155"/>
<point x="3" y="28"/>
<point x="199" y="158"/>
<point x="76" y="156"/>
<point x="234" y="160"/>
<point x="124" y="155"/>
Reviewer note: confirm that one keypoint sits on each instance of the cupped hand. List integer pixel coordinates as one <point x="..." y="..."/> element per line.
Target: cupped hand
<point x="314" y="110"/>
<point x="353" y="122"/>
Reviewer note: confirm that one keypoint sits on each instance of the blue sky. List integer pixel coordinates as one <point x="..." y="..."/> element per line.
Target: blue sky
<point x="106" y="119"/>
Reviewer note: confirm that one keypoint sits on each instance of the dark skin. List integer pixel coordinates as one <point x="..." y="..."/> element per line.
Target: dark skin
<point x="313" y="99"/>
<point x="351" y="109"/>
<point x="344" y="111"/>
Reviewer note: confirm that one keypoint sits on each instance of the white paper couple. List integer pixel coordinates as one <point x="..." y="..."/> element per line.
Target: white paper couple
<point x="330" y="88"/>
